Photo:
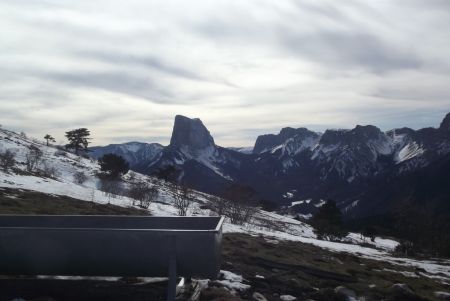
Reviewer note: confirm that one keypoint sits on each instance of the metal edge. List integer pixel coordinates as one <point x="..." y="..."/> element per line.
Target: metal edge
<point x="217" y="229"/>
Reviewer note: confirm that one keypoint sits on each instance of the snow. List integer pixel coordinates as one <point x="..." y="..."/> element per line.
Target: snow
<point x="287" y="298"/>
<point x="409" y="151"/>
<point x="320" y="204"/>
<point x="232" y="281"/>
<point x="300" y="202"/>
<point x="288" y="195"/>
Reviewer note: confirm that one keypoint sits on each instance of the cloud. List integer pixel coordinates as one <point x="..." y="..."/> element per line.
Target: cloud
<point x="243" y="67"/>
<point x="350" y="50"/>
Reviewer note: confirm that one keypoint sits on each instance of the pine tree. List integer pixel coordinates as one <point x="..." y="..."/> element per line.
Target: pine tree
<point x="327" y="222"/>
<point x="113" y="165"/>
<point x="78" y="139"/>
<point x="49" y="138"/>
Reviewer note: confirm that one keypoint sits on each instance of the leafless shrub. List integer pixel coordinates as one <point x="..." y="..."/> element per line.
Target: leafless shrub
<point x="219" y="205"/>
<point x="79" y="177"/>
<point x="240" y="211"/>
<point x="111" y="188"/>
<point x="273" y="225"/>
<point x="238" y="204"/>
<point x="143" y="192"/>
<point x="49" y="170"/>
<point x="183" y="199"/>
<point x="7" y="160"/>
<point x="33" y="158"/>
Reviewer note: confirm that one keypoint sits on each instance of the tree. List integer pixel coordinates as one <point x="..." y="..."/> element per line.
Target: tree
<point x="78" y="139"/>
<point x="49" y="138"/>
<point x="143" y="193"/>
<point x="113" y="165"/>
<point x="183" y="199"/>
<point x="168" y="173"/>
<point x="7" y="160"/>
<point x="79" y="177"/>
<point x="327" y="222"/>
<point x="241" y="203"/>
<point x="111" y="188"/>
<point x="33" y="158"/>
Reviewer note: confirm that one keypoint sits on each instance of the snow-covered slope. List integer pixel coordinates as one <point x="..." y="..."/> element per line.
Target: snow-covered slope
<point x="270" y="225"/>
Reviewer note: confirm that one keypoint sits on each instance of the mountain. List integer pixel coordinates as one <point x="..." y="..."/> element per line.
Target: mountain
<point x="297" y="164"/>
<point x="139" y="155"/>
<point x="294" y="140"/>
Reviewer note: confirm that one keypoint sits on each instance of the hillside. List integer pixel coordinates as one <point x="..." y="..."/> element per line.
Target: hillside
<point x="268" y="245"/>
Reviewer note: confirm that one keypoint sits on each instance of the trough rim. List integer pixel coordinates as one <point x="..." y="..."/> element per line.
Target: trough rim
<point x="216" y="230"/>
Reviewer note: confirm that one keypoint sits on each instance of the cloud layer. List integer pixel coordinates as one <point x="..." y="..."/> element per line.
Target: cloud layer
<point x="124" y="69"/>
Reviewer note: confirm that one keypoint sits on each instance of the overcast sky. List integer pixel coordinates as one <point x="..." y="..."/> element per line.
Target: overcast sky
<point x="124" y="69"/>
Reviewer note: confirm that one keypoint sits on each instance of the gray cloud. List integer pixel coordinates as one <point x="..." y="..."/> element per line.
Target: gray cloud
<point x="350" y="50"/>
<point x="147" y="61"/>
<point x="243" y="67"/>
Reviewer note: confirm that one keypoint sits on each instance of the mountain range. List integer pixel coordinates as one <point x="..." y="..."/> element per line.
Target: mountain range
<point x="348" y="166"/>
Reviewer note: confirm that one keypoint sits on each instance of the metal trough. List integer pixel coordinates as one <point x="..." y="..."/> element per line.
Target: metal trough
<point x="111" y="246"/>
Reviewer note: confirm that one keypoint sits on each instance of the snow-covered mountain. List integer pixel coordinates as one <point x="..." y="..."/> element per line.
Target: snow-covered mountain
<point x="339" y="164"/>
<point x="139" y="155"/>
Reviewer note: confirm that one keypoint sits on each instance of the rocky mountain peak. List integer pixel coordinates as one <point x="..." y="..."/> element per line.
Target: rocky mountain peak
<point x="190" y="133"/>
<point x="267" y="142"/>
<point x="445" y="124"/>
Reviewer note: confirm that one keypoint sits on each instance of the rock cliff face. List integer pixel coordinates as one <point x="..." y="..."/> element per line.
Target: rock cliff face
<point x="190" y="134"/>
<point x="445" y="125"/>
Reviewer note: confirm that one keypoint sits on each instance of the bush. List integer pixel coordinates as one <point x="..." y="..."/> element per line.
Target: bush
<point x="182" y="199"/>
<point x="406" y="248"/>
<point x="111" y="188"/>
<point x="49" y="170"/>
<point x="143" y="193"/>
<point x="239" y="211"/>
<point x="79" y="177"/>
<point x="240" y="203"/>
<point x="33" y="158"/>
<point x="7" y="160"/>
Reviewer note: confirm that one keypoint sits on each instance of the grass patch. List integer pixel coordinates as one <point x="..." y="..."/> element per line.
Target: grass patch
<point x="18" y="201"/>
<point x="309" y="272"/>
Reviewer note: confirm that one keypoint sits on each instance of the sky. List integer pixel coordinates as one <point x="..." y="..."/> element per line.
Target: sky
<point x="124" y="69"/>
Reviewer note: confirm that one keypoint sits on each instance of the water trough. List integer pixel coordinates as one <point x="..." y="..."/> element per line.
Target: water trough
<point x="140" y="246"/>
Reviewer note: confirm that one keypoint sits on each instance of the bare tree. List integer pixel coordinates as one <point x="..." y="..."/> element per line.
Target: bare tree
<point x="219" y="205"/>
<point x="111" y="188"/>
<point x="79" y="177"/>
<point x="240" y="211"/>
<point x="241" y="204"/>
<point x="143" y="192"/>
<point x="183" y="199"/>
<point x="7" y="160"/>
<point x="33" y="158"/>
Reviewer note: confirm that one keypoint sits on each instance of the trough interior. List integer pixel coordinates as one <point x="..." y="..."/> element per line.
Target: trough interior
<point x="110" y="222"/>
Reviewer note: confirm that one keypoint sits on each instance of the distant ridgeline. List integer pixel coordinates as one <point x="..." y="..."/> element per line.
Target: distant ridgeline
<point x="366" y="171"/>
